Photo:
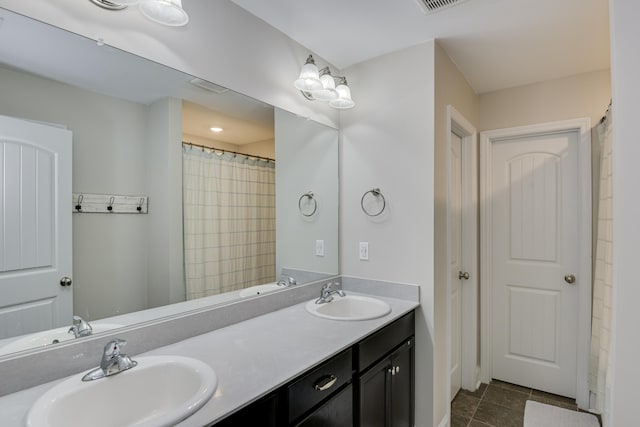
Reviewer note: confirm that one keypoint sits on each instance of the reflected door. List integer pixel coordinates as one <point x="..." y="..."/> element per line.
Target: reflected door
<point x="35" y="221"/>
<point x="534" y="183"/>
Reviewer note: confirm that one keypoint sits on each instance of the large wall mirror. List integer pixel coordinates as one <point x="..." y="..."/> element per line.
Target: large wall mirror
<point x="226" y="214"/>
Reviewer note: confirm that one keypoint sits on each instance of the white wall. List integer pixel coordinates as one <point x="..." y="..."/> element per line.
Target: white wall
<point x="451" y="88"/>
<point x="582" y="95"/>
<point x="387" y="142"/>
<point x="109" y="251"/>
<point x="164" y="187"/>
<point x="625" y="68"/>
<point x="306" y="154"/>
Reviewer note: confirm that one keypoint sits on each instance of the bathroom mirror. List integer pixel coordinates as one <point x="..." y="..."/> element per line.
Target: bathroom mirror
<point x="129" y="118"/>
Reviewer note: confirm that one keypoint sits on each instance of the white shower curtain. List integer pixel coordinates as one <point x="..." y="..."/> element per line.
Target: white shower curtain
<point x="229" y="221"/>
<point x="599" y="369"/>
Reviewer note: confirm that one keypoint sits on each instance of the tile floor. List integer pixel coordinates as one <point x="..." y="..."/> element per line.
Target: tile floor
<point x="499" y="404"/>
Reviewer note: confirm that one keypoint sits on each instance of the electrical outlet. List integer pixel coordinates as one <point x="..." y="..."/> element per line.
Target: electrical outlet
<point x="364" y="251"/>
<point x="319" y="247"/>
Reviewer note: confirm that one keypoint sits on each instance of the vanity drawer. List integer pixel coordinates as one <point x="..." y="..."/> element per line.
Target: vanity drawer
<point x="381" y="343"/>
<point x="319" y="384"/>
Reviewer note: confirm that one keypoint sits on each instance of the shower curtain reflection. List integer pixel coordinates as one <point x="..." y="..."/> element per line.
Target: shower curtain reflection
<point x="600" y="364"/>
<point x="229" y="221"/>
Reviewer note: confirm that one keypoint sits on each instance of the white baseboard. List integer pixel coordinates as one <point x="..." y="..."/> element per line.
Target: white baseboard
<point x="445" y="421"/>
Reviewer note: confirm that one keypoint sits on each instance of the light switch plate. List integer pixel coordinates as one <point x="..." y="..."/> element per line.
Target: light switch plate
<point x="319" y="247"/>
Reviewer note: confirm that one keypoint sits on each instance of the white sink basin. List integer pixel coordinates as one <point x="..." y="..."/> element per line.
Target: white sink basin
<point x="45" y="338"/>
<point x="350" y="307"/>
<point x="159" y="391"/>
<point x="259" y="289"/>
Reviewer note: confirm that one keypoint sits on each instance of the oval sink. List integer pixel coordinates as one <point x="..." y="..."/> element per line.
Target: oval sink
<point x="49" y="337"/>
<point x="350" y="307"/>
<point x="259" y="289"/>
<point x="159" y="391"/>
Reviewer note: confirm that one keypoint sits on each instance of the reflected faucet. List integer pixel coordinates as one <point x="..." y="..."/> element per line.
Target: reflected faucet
<point x="326" y="294"/>
<point x="286" y="281"/>
<point x="80" y="327"/>
<point x="112" y="362"/>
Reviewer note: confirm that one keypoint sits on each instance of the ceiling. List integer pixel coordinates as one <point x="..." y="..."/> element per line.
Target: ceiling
<point x="198" y="120"/>
<point x="495" y="43"/>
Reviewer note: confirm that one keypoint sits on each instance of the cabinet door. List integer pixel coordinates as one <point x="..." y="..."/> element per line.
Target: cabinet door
<point x="337" y="412"/>
<point x="263" y="413"/>
<point x="402" y="385"/>
<point x="374" y="395"/>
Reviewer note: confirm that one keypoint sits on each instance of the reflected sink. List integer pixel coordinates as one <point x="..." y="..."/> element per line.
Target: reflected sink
<point x="45" y="338"/>
<point x="259" y="289"/>
<point x="350" y="307"/>
<point x="159" y="391"/>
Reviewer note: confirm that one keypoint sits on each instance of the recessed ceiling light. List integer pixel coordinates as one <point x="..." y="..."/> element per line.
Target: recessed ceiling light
<point x="216" y="129"/>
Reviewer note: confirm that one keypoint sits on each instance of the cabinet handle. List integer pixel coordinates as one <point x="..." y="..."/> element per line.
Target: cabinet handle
<point x="394" y="370"/>
<point x="325" y="383"/>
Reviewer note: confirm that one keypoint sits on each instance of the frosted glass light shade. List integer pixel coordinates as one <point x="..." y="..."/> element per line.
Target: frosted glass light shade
<point x="308" y="81"/>
<point x="344" y="100"/>
<point x="166" y="12"/>
<point x="328" y="91"/>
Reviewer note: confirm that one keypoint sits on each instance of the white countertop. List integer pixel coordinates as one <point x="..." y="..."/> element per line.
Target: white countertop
<point x="251" y="358"/>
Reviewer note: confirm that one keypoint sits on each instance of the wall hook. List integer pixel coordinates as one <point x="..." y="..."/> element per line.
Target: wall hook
<point x="110" y="206"/>
<point x="79" y="203"/>
<point x="140" y="203"/>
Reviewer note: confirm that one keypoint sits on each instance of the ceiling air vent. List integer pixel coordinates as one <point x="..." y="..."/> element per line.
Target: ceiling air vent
<point x="433" y="6"/>
<point x="211" y="87"/>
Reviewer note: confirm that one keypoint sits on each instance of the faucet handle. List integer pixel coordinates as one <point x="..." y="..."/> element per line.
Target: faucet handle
<point x="112" y="348"/>
<point x="286" y="280"/>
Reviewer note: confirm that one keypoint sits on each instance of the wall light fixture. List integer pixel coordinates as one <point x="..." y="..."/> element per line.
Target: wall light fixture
<point x="165" y="12"/>
<point x="321" y="86"/>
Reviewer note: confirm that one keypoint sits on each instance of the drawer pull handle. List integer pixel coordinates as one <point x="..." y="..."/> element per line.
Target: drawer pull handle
<point x="326" y="383"/>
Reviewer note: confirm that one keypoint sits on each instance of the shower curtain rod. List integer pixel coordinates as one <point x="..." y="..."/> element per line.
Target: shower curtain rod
<point x="228" y="151"/>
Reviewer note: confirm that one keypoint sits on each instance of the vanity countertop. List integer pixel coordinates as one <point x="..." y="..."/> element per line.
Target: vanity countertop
<point x="251" y="358"/>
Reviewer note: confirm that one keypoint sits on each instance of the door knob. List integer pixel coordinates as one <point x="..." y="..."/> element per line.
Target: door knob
<point x="66" y="281"/>
<point x="570" y="278"/>
<point x="464" y="275"/>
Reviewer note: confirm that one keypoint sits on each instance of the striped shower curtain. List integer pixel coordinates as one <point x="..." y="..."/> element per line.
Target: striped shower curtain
<point x="599" y="366"/>
<point x="229" y="221"/>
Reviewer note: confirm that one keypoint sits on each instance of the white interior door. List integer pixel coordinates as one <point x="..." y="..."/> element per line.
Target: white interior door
<point x="35" y="220"/>
<point x="534" y="205"/>
<point x="455" y="257"/>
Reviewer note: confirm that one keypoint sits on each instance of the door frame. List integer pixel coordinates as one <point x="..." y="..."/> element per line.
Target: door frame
<point x="583" y="127"/>
<point x="457" y="123"/>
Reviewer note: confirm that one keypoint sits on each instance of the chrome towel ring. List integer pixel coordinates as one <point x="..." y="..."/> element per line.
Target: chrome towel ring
<point x="375" y="192"/>
<point x="310" y="201"/>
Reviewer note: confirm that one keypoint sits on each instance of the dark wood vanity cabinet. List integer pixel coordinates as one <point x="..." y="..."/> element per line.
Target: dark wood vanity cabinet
<point x="386" y="386"/>
<point x="386" y="390"/>
<point x="371" y="384"/>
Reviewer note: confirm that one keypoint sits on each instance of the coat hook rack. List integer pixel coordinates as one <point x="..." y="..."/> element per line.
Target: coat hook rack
<point x="110" y="203"/>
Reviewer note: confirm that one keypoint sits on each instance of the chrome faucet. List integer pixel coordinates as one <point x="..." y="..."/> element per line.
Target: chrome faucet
<point x="326" y="294"/>
<point x="80" y="327"/>
<point x="112" y="362"/>
<point x="286" y="281"/>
